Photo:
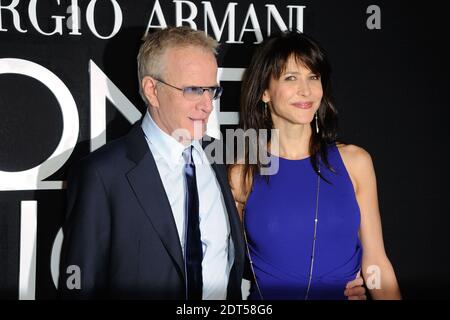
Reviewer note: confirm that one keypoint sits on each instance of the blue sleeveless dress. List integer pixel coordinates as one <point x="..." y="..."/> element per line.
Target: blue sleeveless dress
<point x="279" y="222"/>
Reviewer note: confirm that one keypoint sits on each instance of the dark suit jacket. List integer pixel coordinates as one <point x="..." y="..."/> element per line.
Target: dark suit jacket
<point x="120" y="231"/>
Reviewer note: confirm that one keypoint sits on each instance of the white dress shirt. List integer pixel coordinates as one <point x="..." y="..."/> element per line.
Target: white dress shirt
<point x="218" y="253"/>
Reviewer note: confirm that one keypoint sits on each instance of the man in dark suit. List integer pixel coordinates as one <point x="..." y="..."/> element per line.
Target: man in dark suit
<point x="132" y="204"/>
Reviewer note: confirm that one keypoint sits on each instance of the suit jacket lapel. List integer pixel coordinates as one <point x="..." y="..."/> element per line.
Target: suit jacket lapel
<point x="236" y="226"/>
<point x="237" y="233"/>
<point x="146" y="183"/>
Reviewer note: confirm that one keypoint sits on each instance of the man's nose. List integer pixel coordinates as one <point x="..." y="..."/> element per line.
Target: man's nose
<point x="206" y="102"/>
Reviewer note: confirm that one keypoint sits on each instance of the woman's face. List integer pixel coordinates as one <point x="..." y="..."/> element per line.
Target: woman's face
<point x="295" y="96"/>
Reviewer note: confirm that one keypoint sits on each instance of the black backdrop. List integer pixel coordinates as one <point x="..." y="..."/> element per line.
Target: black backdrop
<point x="390" y="85"/>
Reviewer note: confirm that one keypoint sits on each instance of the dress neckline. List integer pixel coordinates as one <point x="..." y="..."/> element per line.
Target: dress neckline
<point x="286" y="159"/>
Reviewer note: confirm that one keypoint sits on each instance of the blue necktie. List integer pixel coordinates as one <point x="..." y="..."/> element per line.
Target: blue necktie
<point x="193" y="244"/>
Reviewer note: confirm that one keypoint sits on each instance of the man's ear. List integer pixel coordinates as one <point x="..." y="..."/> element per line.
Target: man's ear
<point x="150" y="91"/>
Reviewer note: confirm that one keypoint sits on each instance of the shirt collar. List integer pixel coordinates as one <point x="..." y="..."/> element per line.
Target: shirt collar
<point x="169" y="148"/>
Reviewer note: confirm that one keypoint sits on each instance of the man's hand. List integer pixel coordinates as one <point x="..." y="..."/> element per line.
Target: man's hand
<point x="354" y="290"/>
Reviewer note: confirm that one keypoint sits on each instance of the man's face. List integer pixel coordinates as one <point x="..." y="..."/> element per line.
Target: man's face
<point x="171" y="110"/>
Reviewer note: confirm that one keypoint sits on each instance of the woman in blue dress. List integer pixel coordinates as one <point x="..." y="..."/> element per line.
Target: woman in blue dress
<point x="311" y="213"/>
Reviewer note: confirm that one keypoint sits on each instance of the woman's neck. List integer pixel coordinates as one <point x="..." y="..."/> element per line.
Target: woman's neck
<point x="293" y="140"/>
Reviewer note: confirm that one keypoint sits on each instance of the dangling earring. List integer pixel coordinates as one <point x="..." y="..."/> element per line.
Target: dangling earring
<point x="317" y="124"/>
<point x="265" y="109"/>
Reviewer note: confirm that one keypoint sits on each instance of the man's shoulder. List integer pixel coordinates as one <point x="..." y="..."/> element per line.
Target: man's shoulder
<point x="111" y="152"/>
<point x="112" y="156"/>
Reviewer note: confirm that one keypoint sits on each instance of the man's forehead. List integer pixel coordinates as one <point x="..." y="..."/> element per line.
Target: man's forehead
<point x="190" y="60"/>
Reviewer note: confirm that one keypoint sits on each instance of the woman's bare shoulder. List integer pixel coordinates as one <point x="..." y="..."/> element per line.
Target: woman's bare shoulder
<point x="358" y="163"/>
<point x="354" y="156"/>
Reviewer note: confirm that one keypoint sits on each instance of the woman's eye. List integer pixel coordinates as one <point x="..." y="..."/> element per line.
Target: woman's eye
<point x="290" y="78"/>
<point x="314" y="77"/>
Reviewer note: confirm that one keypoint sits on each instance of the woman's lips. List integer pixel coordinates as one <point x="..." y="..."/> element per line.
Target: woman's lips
<point x="303" y="105"/>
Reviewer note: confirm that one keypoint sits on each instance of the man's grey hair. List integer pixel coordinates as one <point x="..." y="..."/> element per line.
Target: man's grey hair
<point x="155" y="44"/>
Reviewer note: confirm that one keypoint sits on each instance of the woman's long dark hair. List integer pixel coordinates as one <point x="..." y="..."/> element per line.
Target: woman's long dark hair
<point x="269" y="61"/>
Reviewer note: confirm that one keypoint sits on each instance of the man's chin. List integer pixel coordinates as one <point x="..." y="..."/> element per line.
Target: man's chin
<point x="194" y="132"/>
<point x="198" y="130"/>
<point x="198" y="135"/>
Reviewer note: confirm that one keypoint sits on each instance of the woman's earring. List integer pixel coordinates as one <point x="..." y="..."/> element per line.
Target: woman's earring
<point x="317" y="124"/>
